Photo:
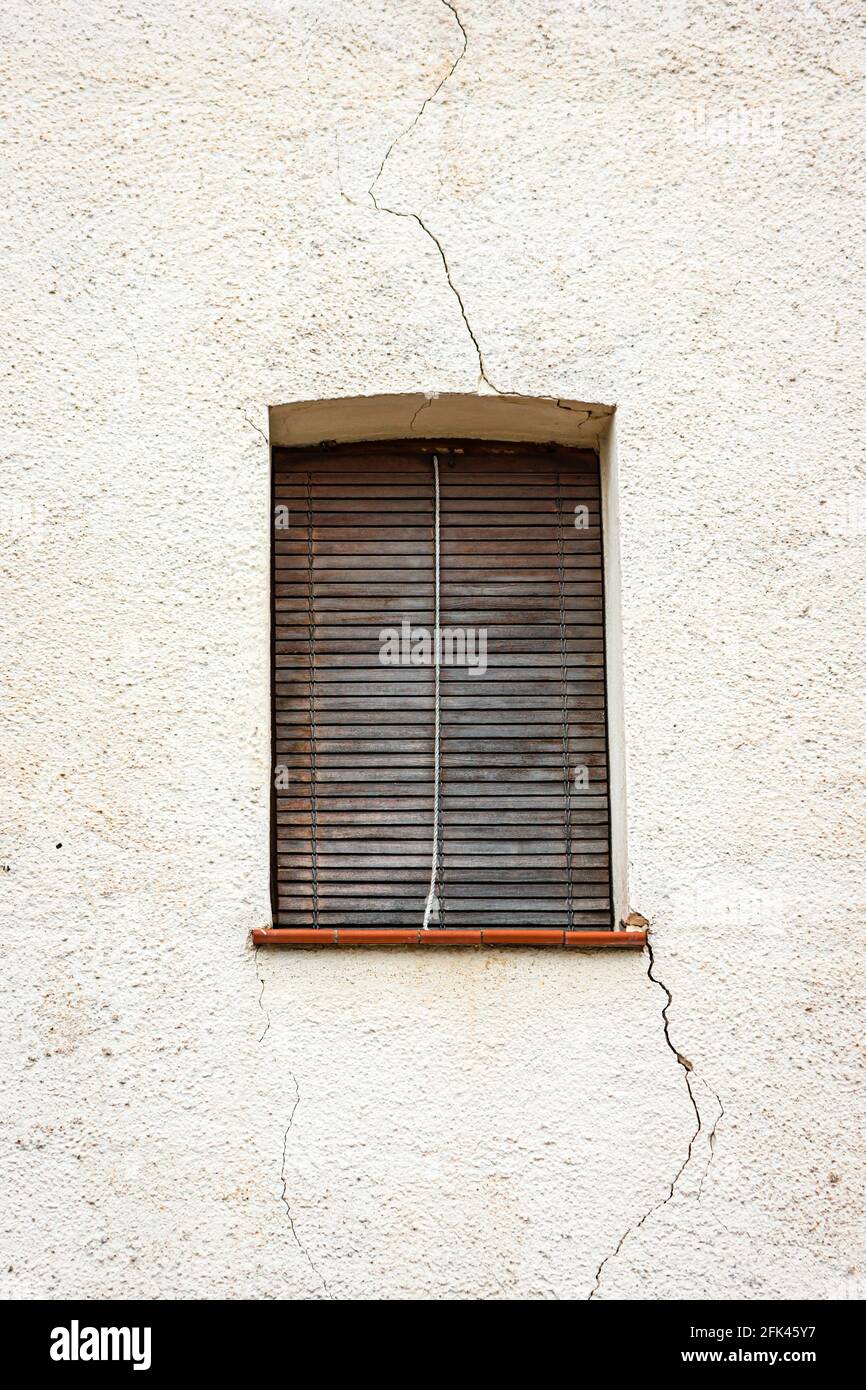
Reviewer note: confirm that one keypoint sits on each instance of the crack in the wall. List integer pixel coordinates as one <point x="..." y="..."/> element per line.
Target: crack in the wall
<point x="711" y="1137"/>
<point x="261" y="979"/>
<point x="255" y="427"/>
<point x="427" y="100"/>
<point x="572" y="410"/>
<point x="414" y="217"/>
<point x="285" y="1137"/>
<point x="284" y="1194"/>
<point x="689" y="1073"/>
<point x="425" y="405"/>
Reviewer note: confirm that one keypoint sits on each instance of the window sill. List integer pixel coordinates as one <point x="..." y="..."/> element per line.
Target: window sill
<point x="465" y="936"/>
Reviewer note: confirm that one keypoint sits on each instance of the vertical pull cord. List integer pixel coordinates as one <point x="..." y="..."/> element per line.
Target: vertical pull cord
<point x="434" y="865"/>
<point x="563" y="658"/>
<point x="437" y="741"/>
<point x="311" y="647"/>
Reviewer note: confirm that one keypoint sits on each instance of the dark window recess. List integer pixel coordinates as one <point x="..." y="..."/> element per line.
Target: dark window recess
<point x="522" y="838"/>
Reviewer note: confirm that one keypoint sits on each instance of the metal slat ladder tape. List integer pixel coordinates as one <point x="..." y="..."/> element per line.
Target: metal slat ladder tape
<point x="431" y="907"/>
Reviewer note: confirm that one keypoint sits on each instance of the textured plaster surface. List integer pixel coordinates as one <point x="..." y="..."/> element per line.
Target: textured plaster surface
<point x="214" y="209"/>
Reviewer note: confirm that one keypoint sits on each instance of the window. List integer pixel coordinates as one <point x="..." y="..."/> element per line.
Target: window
<point x="440" y="749"/>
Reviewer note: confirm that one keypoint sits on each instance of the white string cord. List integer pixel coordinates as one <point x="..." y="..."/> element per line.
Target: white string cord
<point x="434" y="868"/>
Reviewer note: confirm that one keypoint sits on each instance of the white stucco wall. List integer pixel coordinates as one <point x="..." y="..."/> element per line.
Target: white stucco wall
<point x="648" y="205"/>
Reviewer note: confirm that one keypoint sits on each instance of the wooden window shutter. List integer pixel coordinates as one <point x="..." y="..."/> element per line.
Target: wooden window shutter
<point x="523" y="826"/>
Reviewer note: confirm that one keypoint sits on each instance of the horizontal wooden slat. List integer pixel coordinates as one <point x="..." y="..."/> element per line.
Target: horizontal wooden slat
<point x="420" y="861"/>
<point x="400" y="737"/>
<point x="400" y="783"/>
<point x="412" y="819"/>
<point x="462" y="724"/>
<point x="477" y="921"/>
<point x="458" y="837"/>
<point x="292" y="559"/>
<point x="294" y="868"/>
<point x="512" y="707"/>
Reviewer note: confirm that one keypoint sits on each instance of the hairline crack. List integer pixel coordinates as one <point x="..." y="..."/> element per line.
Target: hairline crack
<point x="414" y="217"/>
<point x="688" y="1071"/>
<point x="284" y="1194"/>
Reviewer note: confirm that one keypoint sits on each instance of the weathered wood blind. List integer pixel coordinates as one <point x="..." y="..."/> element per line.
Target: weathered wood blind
<point x="523" y="836"/>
